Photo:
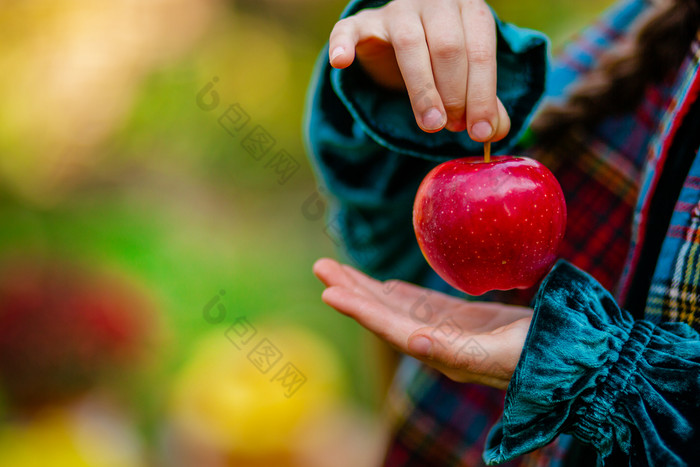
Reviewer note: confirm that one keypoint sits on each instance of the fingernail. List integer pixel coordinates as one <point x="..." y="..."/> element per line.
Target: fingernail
<point x="420" y="346"/>
<point x="433" y="119"/>
<point x="482" y="130"/>
<point x="337" y="52"/>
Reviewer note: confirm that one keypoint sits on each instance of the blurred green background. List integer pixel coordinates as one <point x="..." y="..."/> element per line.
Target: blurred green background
<point x="110" y="166"/>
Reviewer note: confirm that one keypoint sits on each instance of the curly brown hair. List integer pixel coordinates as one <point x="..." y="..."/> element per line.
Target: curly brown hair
<point x="618" y="83"/>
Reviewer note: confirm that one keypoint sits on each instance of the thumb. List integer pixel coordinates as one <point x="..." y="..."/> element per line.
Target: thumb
<point x="348" y="32"/>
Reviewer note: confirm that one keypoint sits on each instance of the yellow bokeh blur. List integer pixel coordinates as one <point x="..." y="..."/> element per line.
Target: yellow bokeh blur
<point x="70" y="437"/>
<point x="223" y="398"/>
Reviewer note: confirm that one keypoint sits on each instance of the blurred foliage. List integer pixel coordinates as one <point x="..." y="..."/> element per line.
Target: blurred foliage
<point x="106" y="159"/>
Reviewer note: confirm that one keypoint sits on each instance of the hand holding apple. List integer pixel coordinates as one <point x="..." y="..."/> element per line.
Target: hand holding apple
<point x="492" y="225"/>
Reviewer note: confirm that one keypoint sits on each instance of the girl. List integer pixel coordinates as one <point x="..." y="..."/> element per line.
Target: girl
<point x="606" y="364"/>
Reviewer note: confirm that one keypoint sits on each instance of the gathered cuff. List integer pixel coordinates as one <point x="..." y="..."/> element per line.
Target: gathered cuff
<point x="589" y="369"/>
<point x="593" y="420"/>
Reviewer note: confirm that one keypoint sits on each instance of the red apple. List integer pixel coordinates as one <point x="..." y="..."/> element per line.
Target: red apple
<point x="490" y="225"/>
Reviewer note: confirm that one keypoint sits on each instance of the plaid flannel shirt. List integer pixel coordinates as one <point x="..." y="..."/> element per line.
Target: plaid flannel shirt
<point x="608" y="177"/>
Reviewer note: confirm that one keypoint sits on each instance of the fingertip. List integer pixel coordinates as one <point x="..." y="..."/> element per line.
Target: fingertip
<point x="482" y="131"/>
<point x="322" y="269"/>
<point x="337" y="52"/>
<point x="432" y="120"/>
<point x="330" y="295"/>
<point x="341" y="56"/>
<point x="319" y="265"/>
<point x="342" y="42"/>
<point x="420" y="346"/>
<point x="340" y="299"/>
<point x="335" y="57"/>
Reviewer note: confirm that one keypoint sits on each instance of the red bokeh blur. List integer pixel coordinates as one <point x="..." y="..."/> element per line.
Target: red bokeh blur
<point x="62" y="327"/>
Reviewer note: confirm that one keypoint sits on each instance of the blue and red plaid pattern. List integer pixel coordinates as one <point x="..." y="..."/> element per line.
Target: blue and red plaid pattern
<point x="444" y="433"/>
<point x="686" y="90"/>
<point x="608" y="177"/>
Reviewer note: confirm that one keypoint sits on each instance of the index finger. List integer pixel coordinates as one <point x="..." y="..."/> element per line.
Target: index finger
<point x="482" y="106"/>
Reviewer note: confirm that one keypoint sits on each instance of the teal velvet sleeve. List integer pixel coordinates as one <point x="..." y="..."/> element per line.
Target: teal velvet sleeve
<point x="370" y="155"/>
<point x="588" y="368"/>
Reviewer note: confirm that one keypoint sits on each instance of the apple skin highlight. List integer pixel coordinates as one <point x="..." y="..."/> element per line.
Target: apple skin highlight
<point x="494" y="225"/>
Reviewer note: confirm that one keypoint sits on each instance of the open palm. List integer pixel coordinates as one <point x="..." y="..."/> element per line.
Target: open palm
<point x="467" y="341"/>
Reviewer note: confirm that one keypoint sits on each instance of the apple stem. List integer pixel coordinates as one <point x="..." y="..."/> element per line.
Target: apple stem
<point x="487" y="151"/>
